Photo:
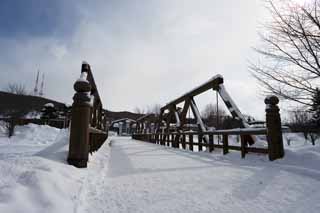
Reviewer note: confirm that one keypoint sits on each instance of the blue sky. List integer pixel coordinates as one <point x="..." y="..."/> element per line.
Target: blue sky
<point x="36" y="18"/>
<point x="142" y="52"/>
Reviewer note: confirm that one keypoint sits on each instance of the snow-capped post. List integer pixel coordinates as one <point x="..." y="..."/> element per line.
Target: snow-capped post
<point x="274" y="132"/>
<point x="79" y="131"/>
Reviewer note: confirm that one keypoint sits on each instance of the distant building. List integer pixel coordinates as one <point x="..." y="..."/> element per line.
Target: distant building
<point x="123" y="126"/>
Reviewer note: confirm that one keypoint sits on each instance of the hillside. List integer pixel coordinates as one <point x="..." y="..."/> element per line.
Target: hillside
<point x="123" y="114"/>
<point x="9" y="101"/>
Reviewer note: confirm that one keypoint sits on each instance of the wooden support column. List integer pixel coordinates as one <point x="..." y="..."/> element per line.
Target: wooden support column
<point x="161" y="139"/>
<point x="173" y="142"/>
<point x="168" y="121"/>
<point x="211" y="145"/>
<point x="158" y="122"/>
<point x="168" y="140"/>
<point x="274" y="132"/>
<point x="191" y="142"/>
<point x="99" y="116"/>
<point x="200" y="136"/>
<point x="243" y="146"/>
<point x="94" y="113"/>
<point x="225" y="144"/>
<point x="184" y="141"/>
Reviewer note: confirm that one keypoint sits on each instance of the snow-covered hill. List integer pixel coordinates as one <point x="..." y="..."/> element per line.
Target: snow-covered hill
<point x="132" y="176"/>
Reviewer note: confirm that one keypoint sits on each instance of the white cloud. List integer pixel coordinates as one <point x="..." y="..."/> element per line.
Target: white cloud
<point x="151" y="52"/>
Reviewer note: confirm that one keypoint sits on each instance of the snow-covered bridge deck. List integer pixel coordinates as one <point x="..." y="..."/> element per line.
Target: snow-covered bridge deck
<point x="143" y="177"/>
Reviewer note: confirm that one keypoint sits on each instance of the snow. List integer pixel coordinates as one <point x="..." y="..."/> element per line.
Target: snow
<point x="34" y="114"/>
<point x="49" y="105"/>
<point x="126" y="175"/>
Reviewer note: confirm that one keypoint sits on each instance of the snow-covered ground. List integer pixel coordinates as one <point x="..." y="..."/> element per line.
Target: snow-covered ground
<point x="134" y="176"/>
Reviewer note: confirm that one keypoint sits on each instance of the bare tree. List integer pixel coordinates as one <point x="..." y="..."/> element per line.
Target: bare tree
<point x="139" y="110"/>
<point x="16" y="88"/>
<point x="301" y="121"/>
<point x="213" y="116"/>
<point x="154" y="109"/>
<point x="12" y="119"/>
<point x="290" y="51"/>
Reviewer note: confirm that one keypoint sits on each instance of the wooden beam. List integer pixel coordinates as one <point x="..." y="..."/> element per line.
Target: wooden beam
<point x="183" y="114"/>
<point x="196" y="114"/>
<point x="212" y="83"/>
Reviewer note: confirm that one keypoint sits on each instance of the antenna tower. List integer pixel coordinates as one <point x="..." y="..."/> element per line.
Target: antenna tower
<point x="35" y="91"/>
<point x="42" y="85"/>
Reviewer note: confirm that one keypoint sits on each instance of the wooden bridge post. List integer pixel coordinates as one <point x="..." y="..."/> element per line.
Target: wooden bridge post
<point x="243" y="146"/>
<point x="177" y="139"/>
<point x="211" y="145"/>
<point x="191" y="142"/>
<point x="173" y="142"/>
<point x="200" y="137"/>
<point x="173" y="138"/>
<point x="274" y="132"/>
<point x="225" y="144"/>
<point x="160" y="138"/>
<point x="79" y="131"/>
<point x="163" y="138"/>
<point x="184" y="141"/>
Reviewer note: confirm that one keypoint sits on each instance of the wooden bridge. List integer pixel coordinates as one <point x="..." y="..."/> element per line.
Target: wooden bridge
<point x="89" y="131"/>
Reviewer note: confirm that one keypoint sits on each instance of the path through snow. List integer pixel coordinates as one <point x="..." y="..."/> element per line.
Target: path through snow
<point x="143" y="177"/>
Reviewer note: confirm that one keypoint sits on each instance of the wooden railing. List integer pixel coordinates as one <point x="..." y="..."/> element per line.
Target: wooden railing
<point x="185" y="140"/>
<point x="88" y="121"/>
